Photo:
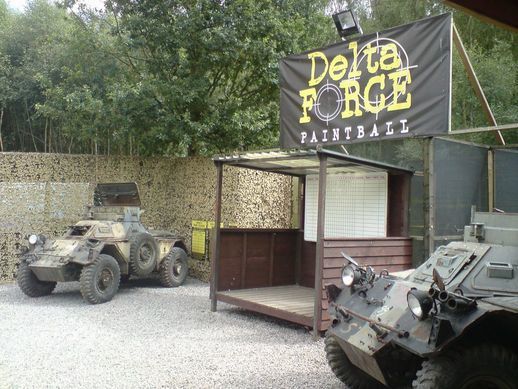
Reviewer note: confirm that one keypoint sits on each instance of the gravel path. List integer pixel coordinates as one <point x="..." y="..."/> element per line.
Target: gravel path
<point x="151" y="337"/>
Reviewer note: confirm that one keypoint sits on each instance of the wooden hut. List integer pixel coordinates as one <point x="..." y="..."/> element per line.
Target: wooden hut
<point x="283" y="272"/>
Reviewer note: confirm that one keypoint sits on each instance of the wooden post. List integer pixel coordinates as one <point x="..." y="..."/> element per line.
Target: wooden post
<point x="491" y="179"/>
<point x="217" y="236"/>
<point x="243" y="261"/>
<point x="321" y="219"/>
<point x="476" y="84"/>
<point x="301" y="201"/>
<point x="272" y="253"/>
<point x="429" y="193"/>
<point x="300" y="237"/>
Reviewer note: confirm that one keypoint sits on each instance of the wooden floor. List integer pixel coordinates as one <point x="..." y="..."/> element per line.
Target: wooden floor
<point x="291" y="302"/>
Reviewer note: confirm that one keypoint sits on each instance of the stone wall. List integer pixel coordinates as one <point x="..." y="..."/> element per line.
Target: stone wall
<point x="45" y="193"/>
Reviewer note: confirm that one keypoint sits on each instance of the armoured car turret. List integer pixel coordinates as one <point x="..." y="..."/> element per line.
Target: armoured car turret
<point x="450" y="324"/>
<point x="110" y="245"/>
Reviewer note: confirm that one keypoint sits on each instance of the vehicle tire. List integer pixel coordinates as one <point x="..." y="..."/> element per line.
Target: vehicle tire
<point x="100" y="280"/>
<point x="174" y="268"/>
<point x="143" y="254"/>
<point x="30" y="284"/>
<point x="482" y="366"/>
<point x="345" y="371"/>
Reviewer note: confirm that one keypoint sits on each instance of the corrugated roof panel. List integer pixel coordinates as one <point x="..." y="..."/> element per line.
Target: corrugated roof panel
<point x="303" y="162"/>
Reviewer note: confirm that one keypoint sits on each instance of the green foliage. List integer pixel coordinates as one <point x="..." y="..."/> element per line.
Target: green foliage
<point x="153" y="77"/>
<point x="211" y="68"/>
<point x="498" y="74"/>
<point x="178" y="77"/>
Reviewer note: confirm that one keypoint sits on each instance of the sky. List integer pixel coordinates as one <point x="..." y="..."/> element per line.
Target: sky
<point x="16" y="4"/>
<point x="19" y="5"/>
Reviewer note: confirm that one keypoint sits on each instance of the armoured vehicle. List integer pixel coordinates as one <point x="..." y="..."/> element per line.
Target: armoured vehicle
<point x="451" y="323"/>
<point x="110" y="245"/>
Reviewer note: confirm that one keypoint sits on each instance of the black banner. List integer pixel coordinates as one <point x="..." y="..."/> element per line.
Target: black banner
<point x="387" y="85"/>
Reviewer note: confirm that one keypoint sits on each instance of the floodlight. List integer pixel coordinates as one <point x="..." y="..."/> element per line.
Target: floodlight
<point x="346" y="23"/>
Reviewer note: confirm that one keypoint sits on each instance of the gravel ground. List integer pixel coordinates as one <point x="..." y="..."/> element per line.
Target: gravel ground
<point x="151" y="337"/>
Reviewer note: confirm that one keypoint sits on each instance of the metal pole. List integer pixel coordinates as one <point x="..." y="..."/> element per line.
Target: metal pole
<point x="504" y="127"/>
<point x="491" y="179"/>
<point x="475" y="83"/>
<point x="215" y="264"/>
<point x="429" y="203"/>
<point x="321" y="219"/>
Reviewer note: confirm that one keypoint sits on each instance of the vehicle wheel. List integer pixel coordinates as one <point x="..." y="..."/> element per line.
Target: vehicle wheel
<point x="488" y="366"/>
<point x="30" y="284"/>
<point x="174" y="268"/>
<point x="344" y="370"/>
<point x="143" y="254"/>
<point x="99" y="281"/>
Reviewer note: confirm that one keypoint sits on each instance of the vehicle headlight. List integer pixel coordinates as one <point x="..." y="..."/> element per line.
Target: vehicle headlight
<point x="33" y="239"/>
<point x="350" y="275"/>
<point x="419" y="302"/>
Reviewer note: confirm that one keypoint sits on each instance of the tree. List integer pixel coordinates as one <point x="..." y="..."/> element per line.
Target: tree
<point x="186" y="77"/>
<point x="209" y="70"/>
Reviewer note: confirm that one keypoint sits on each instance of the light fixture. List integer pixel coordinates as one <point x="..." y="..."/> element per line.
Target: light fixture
<point x="350" y="275"/>
<point x="346" y="23"/>
<point x="419" y="302"/>
<point x="36" y="239"/>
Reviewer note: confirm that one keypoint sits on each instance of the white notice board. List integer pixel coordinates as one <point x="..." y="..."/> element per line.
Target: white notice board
<point x="356" y="206"/>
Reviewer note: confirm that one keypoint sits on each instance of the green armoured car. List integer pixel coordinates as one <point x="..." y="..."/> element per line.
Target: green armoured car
<point x="452" y="323"/>
<point x="99" y="252"/>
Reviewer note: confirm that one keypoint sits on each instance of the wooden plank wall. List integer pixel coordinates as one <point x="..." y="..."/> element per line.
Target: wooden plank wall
<point x="398" y="204"/>
<point x="255" y="258"/>
<point x="393" y="254"/>
<point x="307" y="263"/>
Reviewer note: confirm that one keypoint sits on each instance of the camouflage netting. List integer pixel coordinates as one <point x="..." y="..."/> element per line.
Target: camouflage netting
<point x="45" y="193"/>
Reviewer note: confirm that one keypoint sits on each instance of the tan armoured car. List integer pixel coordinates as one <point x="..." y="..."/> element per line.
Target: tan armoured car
<point x="110" y="245"/>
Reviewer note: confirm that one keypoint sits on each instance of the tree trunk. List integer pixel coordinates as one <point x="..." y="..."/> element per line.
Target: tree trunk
<point x="45" y="136"/>
<point x="18" y="132"/>
<point x="51" y="137"/>
<point x="1" y="120"/>
<point x="30" y="126"/>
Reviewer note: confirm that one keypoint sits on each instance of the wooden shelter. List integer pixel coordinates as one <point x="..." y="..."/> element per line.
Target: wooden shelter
<point x="283" y="272"/>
